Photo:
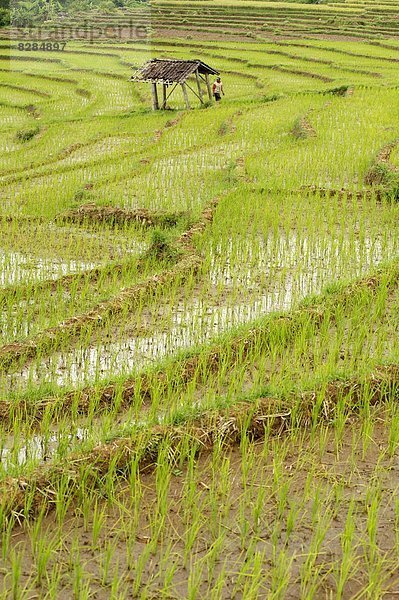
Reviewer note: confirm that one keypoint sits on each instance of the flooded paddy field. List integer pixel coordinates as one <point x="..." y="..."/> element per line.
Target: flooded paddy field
<point x="267" y="276"/>
<point x="199" y="312"/>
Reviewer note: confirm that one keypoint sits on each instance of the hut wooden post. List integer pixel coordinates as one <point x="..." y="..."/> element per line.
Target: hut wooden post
<point x="164" y="88"/>
<point x="184" y="89"/>
<point x="208" y="85"/>
<point x="155" y="104"/>
<point x="199" y="86"/>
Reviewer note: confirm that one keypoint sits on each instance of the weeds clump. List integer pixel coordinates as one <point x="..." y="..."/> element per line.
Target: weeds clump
<point x="342" y="90"/>
<point x="92" y="213"/>
<point x="386" y="177"/>
<point x="223" y="128"/>
<point x="383" y="174"/>
<point x="161" y="248"/>
<point x="25" y="135"/>
<point x="83" y="195"/>
<point x="272" y="98"/>
<point x="206" y="104"/>
<point x="83" y="92"/>
<point x="303" y="129"/>
<point x="33" y="111"/>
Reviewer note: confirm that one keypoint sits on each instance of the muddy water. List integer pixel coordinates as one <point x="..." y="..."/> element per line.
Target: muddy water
<point x="23" y="268"/>
<point x="272" y="277"/>
<point x="38" y="448"/>
<point x="18" y="268"/>
<point x="41" y="448"/>
<point x="308" y="264"/>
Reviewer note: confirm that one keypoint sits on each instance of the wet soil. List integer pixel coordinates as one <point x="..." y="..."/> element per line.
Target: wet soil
<point x="323" y="478"/>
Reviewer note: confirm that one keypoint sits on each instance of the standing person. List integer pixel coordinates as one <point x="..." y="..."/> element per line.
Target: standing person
<point x="217" y="89"/>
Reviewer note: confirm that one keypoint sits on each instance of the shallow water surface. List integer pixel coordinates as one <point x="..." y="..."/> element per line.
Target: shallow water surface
<point x="278" y="274"/>
<point x="16" y="267"/>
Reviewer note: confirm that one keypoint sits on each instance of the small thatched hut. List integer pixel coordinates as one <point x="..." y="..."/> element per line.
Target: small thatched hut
<point x="174" y="72"/>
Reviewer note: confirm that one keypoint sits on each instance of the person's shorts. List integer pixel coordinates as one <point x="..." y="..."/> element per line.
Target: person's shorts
<point x="217" y="97"/>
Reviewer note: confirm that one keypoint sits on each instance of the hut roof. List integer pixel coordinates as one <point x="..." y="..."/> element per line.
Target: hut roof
<point x="171" y="70"/>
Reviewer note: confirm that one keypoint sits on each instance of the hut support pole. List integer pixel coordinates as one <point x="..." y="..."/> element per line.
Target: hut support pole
<point x="155" y="105"/>
<point x="199" y="86"/>
<point x="184" y="89"/>
<point x="164" y="97"/>
<point x="208" y="85"/>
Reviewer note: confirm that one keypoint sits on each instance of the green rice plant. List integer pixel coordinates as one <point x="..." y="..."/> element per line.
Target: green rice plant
<point x="53" y="581"/>
<point x="163" y="479"/>
<point x="255" y="583"/>
<point x="194" y="580"/>
<point x="62" y="498"/>
<point x="15" y="574"/>
<point x="108" y="552"/>
<point x="8" y="527"/>
<point x="372" y="522"/>
<point x="98" y="520"/>
<point x="140" y="565"/>
<point x="291" y="520"/>
<point x="348" y="564"/>
<point x="311" y="570"/>
<point x="393" y="438"/>
<point x="43" y="553"/>
<point x="212" y="556"/>
<point x="280" y="575"/>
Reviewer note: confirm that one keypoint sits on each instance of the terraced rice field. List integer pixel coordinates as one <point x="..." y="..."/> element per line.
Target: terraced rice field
<point x="199" y="310"/>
